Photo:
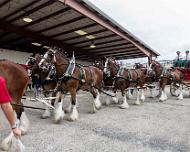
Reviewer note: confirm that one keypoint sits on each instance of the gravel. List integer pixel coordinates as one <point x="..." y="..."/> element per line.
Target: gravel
<point x="150" y="127"/>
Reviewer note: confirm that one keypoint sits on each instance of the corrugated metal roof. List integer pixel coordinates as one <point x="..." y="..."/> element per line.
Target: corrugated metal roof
<point x="55" y="22"/>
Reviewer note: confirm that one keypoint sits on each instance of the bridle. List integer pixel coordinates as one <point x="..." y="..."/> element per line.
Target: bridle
<point x="106" y="69"/>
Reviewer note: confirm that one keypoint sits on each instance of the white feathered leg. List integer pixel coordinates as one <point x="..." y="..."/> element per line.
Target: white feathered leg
<point x="108" y="100"/>
<point x="180" y="97"/>
<point x="151" y="93"/>
<point x="5" y="145"/>
<point x="162" y="96"/>
<point x="165" y="95"/>
<point x="137" y="102"/>
<point x="142" y="95"/>
<point x="58" y="111"/>
<point x="124" y="105"/>
<point x="129" y="95"/>
<point x="116" y="98"/>
<point x="68" y="109"/>
<point x="74" y="114"/>
<point x="24" y="123"/>
<point x="46" y="113"/>
<point x="97" y="102"/>
<point x="159" y="93"/>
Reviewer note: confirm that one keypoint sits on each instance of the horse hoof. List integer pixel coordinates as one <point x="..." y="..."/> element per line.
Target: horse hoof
<point x="180" y="97"/>
<point x="57" y="121"/>
<point x="46" y="114"/>
<point x="137" y="103"/>
<point x="98" y="108"/>
<point x="44" y="117"/>
<point x="92" y="112"/>
<point x="115" y="100"/>
<point x="107" y="103"/>
<point x="74" y="115"/>
<point x="67" y="110"/>
<point x="124" y="106"/>
<point x="71" y="118"/>
<point x="58" y="118"/>
<point x="98" y="105"/>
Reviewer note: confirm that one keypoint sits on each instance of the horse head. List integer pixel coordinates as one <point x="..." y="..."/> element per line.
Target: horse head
<point x="99" y="64"/>
<point x="111" y="67"/>
<point x="155" y="68"/>
<point x="33" y="64"/>
<point x="55" y="57"/>
<point x="138" y="66"/>
<point x="48" y="58"/>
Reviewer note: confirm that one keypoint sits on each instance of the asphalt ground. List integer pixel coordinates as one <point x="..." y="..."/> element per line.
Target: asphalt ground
<point x="150" y="127"/>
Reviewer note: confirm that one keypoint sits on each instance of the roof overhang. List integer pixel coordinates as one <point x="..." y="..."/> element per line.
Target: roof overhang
<point x="70" y="24"/>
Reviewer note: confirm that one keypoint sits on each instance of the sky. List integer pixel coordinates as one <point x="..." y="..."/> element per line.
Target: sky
<point x="164" y="25"/>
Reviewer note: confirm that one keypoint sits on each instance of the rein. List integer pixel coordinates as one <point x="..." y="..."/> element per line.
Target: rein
<point x="29" y="107"/>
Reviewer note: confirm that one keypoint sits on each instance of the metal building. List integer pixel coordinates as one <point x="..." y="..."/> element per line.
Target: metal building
<point x="75" y="25"/>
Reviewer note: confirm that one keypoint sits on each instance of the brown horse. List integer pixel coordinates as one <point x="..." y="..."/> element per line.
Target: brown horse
<point x="108" y="81"/>
<point x="48" y="84"/>
<point x="16" y="80"/>
<point x="151" y="81"/>
<point x="85" y="78"/>
<point x="124" y="79"/>
<point x="165" y="77"/>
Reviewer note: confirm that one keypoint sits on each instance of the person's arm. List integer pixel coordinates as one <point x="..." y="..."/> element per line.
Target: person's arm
<point x="9" y="113"/>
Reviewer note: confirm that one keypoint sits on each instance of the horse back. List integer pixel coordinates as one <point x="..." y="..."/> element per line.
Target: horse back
<point x="16" y="78"/>
<point x="93" y="74"/>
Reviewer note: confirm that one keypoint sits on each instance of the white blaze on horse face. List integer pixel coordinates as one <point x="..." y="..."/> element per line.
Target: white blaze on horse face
<point x="43" y="59"/>
<point x="105" y="66"/>
<point x="149" y="69"/>
<point x="54" y="58"/>
<point x="41" y="62"/>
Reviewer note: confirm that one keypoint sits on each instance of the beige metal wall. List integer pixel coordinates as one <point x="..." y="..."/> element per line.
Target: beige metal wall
<point x="15" y="56"/>
<point x="21" y="57"/>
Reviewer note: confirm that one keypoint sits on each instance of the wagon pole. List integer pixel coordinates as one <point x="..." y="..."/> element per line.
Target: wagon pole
<point x="43" y="100"/>
<point x="30" y="107"/>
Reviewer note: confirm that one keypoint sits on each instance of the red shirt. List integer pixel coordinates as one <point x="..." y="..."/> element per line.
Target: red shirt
<point x="4" y="95"/>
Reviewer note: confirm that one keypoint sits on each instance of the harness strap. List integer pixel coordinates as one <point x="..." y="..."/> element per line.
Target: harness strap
<point x="92" y="83"/>
<point x="130" y="75"/>
<point x="82" y="73"/>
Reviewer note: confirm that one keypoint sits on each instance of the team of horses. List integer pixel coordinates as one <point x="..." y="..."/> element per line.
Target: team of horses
<point x="69" y="77"/>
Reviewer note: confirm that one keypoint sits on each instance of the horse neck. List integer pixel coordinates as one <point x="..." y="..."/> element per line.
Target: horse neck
<point x="61" y="65"/>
